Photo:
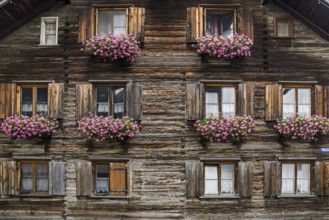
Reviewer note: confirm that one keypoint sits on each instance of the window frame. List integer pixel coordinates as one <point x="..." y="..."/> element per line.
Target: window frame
<point x="235" y="24"/>
<point x="34" y="176"/>
<point x="296" y="88"/>
<point x="295" y="163"/>
<point x="34" y="88"/>
<point x="97" y="9"/>
<point x="110" y="98"/>
<point x="44" y="21"/>
<point x="235" y="194"/>
<point x="108" y="162"/>
<point x="290" y="21"/>
<point x="219" y="89"/>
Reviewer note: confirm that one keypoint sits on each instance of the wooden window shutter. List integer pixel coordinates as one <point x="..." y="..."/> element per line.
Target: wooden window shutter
<point x="55" y="100"/>
<point x="272" y="179"/>
<point x="273" y="102"/>
<point x="8" y="178"/>
<point x="194" y="179"/>
<point x="326" y="101"/>
<point x="57" y="178"/>
<point x="319" y="100"/>
<point x="245" y="179"/>
<point x="195" y="101"/>
<point x="7" y="99"/>
<point x="320" y="185"/>
<point x="84" y="178"/>
<point x="84" y="100"/>
<point x="86" y="23"/>
<point x="136" y="22"/>
<point x="118" y="179"/>
<point x="134" y="101"/>
<point x="245" y="22"/>
<point x="195" y="23"/>
<point x="246" y="99"/>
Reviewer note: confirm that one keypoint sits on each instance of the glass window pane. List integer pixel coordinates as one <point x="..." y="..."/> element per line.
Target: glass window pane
<point x="304" y="96"/>
<point x="27" y="185"/>
<point x="211" y="172"/>
<point x="303" y="178"/>
<point x="119" y="19"/>
<point x="27" y="178"/>
<point x="288" y="178"/>
<point x="228" y="22"/>
<point x="211" y="187"/>
<point x="102" y="171"/>
<point x="227" y="171"/>
<point x="304" y="110"/>
<point x="42" y="95"/>
<point x="282" y="28"/>
<point x="119" y="31"/>
<point x="102" y="94"/>
<point x="50" y="39"/>
<point x="228" y="95"/>
<point x="42" y="185"/>
<point x="42" y="170"/>
<point x="104" y="22"/>
<point x="227" y="178"/>
<point x="50" y="28"/>
<point x="220" y="22"/>
<point x="27" y="95"/>
<point x="228" y="110"/>
<point x="211" y="103"/>
<point x="289" y="102"/>
<point x="118" y="101"/>
<point x="27" y="170"/>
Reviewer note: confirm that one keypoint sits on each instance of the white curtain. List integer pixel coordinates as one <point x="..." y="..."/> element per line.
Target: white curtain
<point x="42" y="108"/>
<point x="118" y="107"/>
<point x="227" y="178"/>
<point x="104" y="22"/>
<point x="304" y="102"/>
<point x="303" y="178"/>
<point x="27" y="184"/>
<point x="288" y="178"/>
<point x="42" y="185"/>
<point x="211" y="180"/>
<point x="102" y="185"/>
<point x="102" y="107"/>
<point x="211" y="103"/>
<point x="27" y="107"/>
<point x="228" y="101"/>
<point x="119" y="22"/>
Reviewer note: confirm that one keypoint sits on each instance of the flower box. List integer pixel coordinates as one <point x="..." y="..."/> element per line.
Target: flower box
<point x="121" y="49"/>
<point x="24" y="127"/>
<point x="100" y="129"/>
<point x="298" y="127"/>
<point x="220" y="129"/>
<point x="224" y="48"/>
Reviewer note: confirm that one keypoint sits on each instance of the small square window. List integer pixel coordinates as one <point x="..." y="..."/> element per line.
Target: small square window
<point x="295" y="178"/>
<point x="283" y="27"/>
<point x="111" y="179"/>
<point x="297" y="100"/>
<point x="220" y="22"/>
<point x="49" y="31"/>
<point x="34" y="177"/>
<point x="220" y="178"/>
<point x="34" y="100"/>
<point x="110" y="101"/>
<point x="111" y="21"/>
<point x="221" y="99"/>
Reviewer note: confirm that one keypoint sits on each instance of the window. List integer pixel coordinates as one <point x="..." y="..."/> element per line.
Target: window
<point x="297" y="100"/>
<point x="283" y="27"/>
<point x="219" y="178"/>
<point x="34" y="177"/>
<point x="49" y="31"/>
<point x="295" y="178"/>
<point x="221" y="99"/>
<point x="111" y="178"/>
<point x="220" y="21"/>
<point x="111" y="20"/>
<point x="110" y="101"/>
<point x="34" y="100"/>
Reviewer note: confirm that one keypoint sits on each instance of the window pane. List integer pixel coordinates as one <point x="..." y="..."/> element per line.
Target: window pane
<point x="50" y="39"/>
<point x="42" y="175"/>
<point x="42" y="98"/>
<point x="102" y="100"/>
<point x="27" y="97"/>
<point x="211" y="187"/>
<point x="289" y="102"/>
<point x="220" y="22"/>
<point x="228" y="101"/>
<point x="102" y="178"/>
<point x="104" y="22"/>
<point x="304" y="102"/>
<point x="288" y="178"/>
<point x="303" y="178"/>
<point x="118" y="101"/>
<point x="119" y="19"/>
<point x="50" y="33"/>
<point x="211" y="103"/>
<point x="118" y="31"/>
<point x="27" y="178"/>
<point x="227" y="178"/>
<point x="211" y="172"/>
<point x="282" y="28"/>
<point x="228" y="23"/>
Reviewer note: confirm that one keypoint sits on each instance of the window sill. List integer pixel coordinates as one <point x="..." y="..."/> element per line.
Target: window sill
<point x="284" y="38"/>
<point x="110" y="197"/>
<point x="33" y="195"/>
<point x="48" y="45"/>
<point x="297" y="196"/>
<point x="220" y="197"/>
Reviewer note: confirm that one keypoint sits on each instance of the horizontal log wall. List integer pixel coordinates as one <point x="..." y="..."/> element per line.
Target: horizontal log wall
<point x="167" y="140"/>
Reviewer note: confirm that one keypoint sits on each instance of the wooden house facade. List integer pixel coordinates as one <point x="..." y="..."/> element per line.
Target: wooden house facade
<point x="161" y="173"/>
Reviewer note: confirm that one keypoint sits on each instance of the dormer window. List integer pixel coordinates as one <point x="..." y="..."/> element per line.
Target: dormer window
<point x="49" y="31"/>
